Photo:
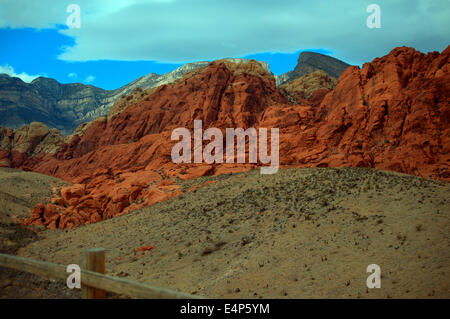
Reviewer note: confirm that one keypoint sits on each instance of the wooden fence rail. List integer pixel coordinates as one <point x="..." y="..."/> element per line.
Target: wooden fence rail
<point x="92" y="279"/>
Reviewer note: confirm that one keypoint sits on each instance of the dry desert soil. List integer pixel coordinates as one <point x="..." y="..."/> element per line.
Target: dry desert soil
<point x="19" y="192"/>
<point x="300" y="233"/>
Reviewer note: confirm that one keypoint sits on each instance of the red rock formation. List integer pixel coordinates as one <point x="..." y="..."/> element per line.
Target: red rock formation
<point x="392" y="114"/>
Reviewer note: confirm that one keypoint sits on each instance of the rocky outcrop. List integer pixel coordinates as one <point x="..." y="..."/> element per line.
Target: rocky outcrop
<point x="126" y="100"/>
<point x="305" y="86"/>
<point x="27" y="142"/>
<point x="309" y="62"/>
<point x="393" y="114"/>
<point x="121" y="168"/>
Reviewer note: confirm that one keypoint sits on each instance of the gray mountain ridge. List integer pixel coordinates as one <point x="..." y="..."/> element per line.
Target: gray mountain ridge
<point x="309" y="62"/>
<point x="65" y="106"/>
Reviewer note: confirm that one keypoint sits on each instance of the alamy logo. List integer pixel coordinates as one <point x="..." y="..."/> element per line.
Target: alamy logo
<point x="74" y="20"/>
<point x="74" y="279"/>
<point x="374" y="280"/>
<point x="214" y="151"/>
<point x="374" y="19"/>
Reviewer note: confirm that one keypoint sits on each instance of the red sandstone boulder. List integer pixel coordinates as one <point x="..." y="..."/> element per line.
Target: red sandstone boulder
<point x="50" y="212"/>
<point x="72" y="192"/>
<point x="36" y="215"/>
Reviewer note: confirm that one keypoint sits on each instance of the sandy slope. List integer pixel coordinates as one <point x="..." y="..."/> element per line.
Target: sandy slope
<point x="19" y="192"/>
<point x="300" y="233"/>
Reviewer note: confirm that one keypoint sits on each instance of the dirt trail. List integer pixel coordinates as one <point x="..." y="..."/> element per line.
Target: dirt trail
<point x="300" y="233"/>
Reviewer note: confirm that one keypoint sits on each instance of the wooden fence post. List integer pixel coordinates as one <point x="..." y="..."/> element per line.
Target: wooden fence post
<point x="94" y="260"/>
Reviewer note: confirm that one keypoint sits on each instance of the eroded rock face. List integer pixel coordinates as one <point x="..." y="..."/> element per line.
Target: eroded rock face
<point x="392" y="114"/>
<point x="304" y="87"/>
<point x="28" y="137"/>
<point x="27" y="142"/>
<point x="126" y="100"/>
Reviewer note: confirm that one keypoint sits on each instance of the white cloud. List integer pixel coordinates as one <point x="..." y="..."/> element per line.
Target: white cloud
<point x="89" y="79"/>
<point x="72" y="75"/>
<point x="23" y="76"/>
<point x="189" y="30"/>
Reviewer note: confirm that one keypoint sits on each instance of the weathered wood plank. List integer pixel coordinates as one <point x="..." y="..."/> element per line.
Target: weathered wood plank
<point x="94" y="260"/>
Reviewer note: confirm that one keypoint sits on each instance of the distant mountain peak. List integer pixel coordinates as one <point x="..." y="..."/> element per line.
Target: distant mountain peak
<point x="309" y="62"/>
<point x="330" y="65"/>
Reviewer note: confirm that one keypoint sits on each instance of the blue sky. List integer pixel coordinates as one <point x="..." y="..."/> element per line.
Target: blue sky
<point x="121" y="40"/>
<point x="48" y="44"/>
<point x="43" y="60"/>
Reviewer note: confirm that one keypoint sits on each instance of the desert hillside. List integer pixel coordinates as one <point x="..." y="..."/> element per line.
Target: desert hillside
<point x="19" y="192"/>
<point x="300" y="233"/>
